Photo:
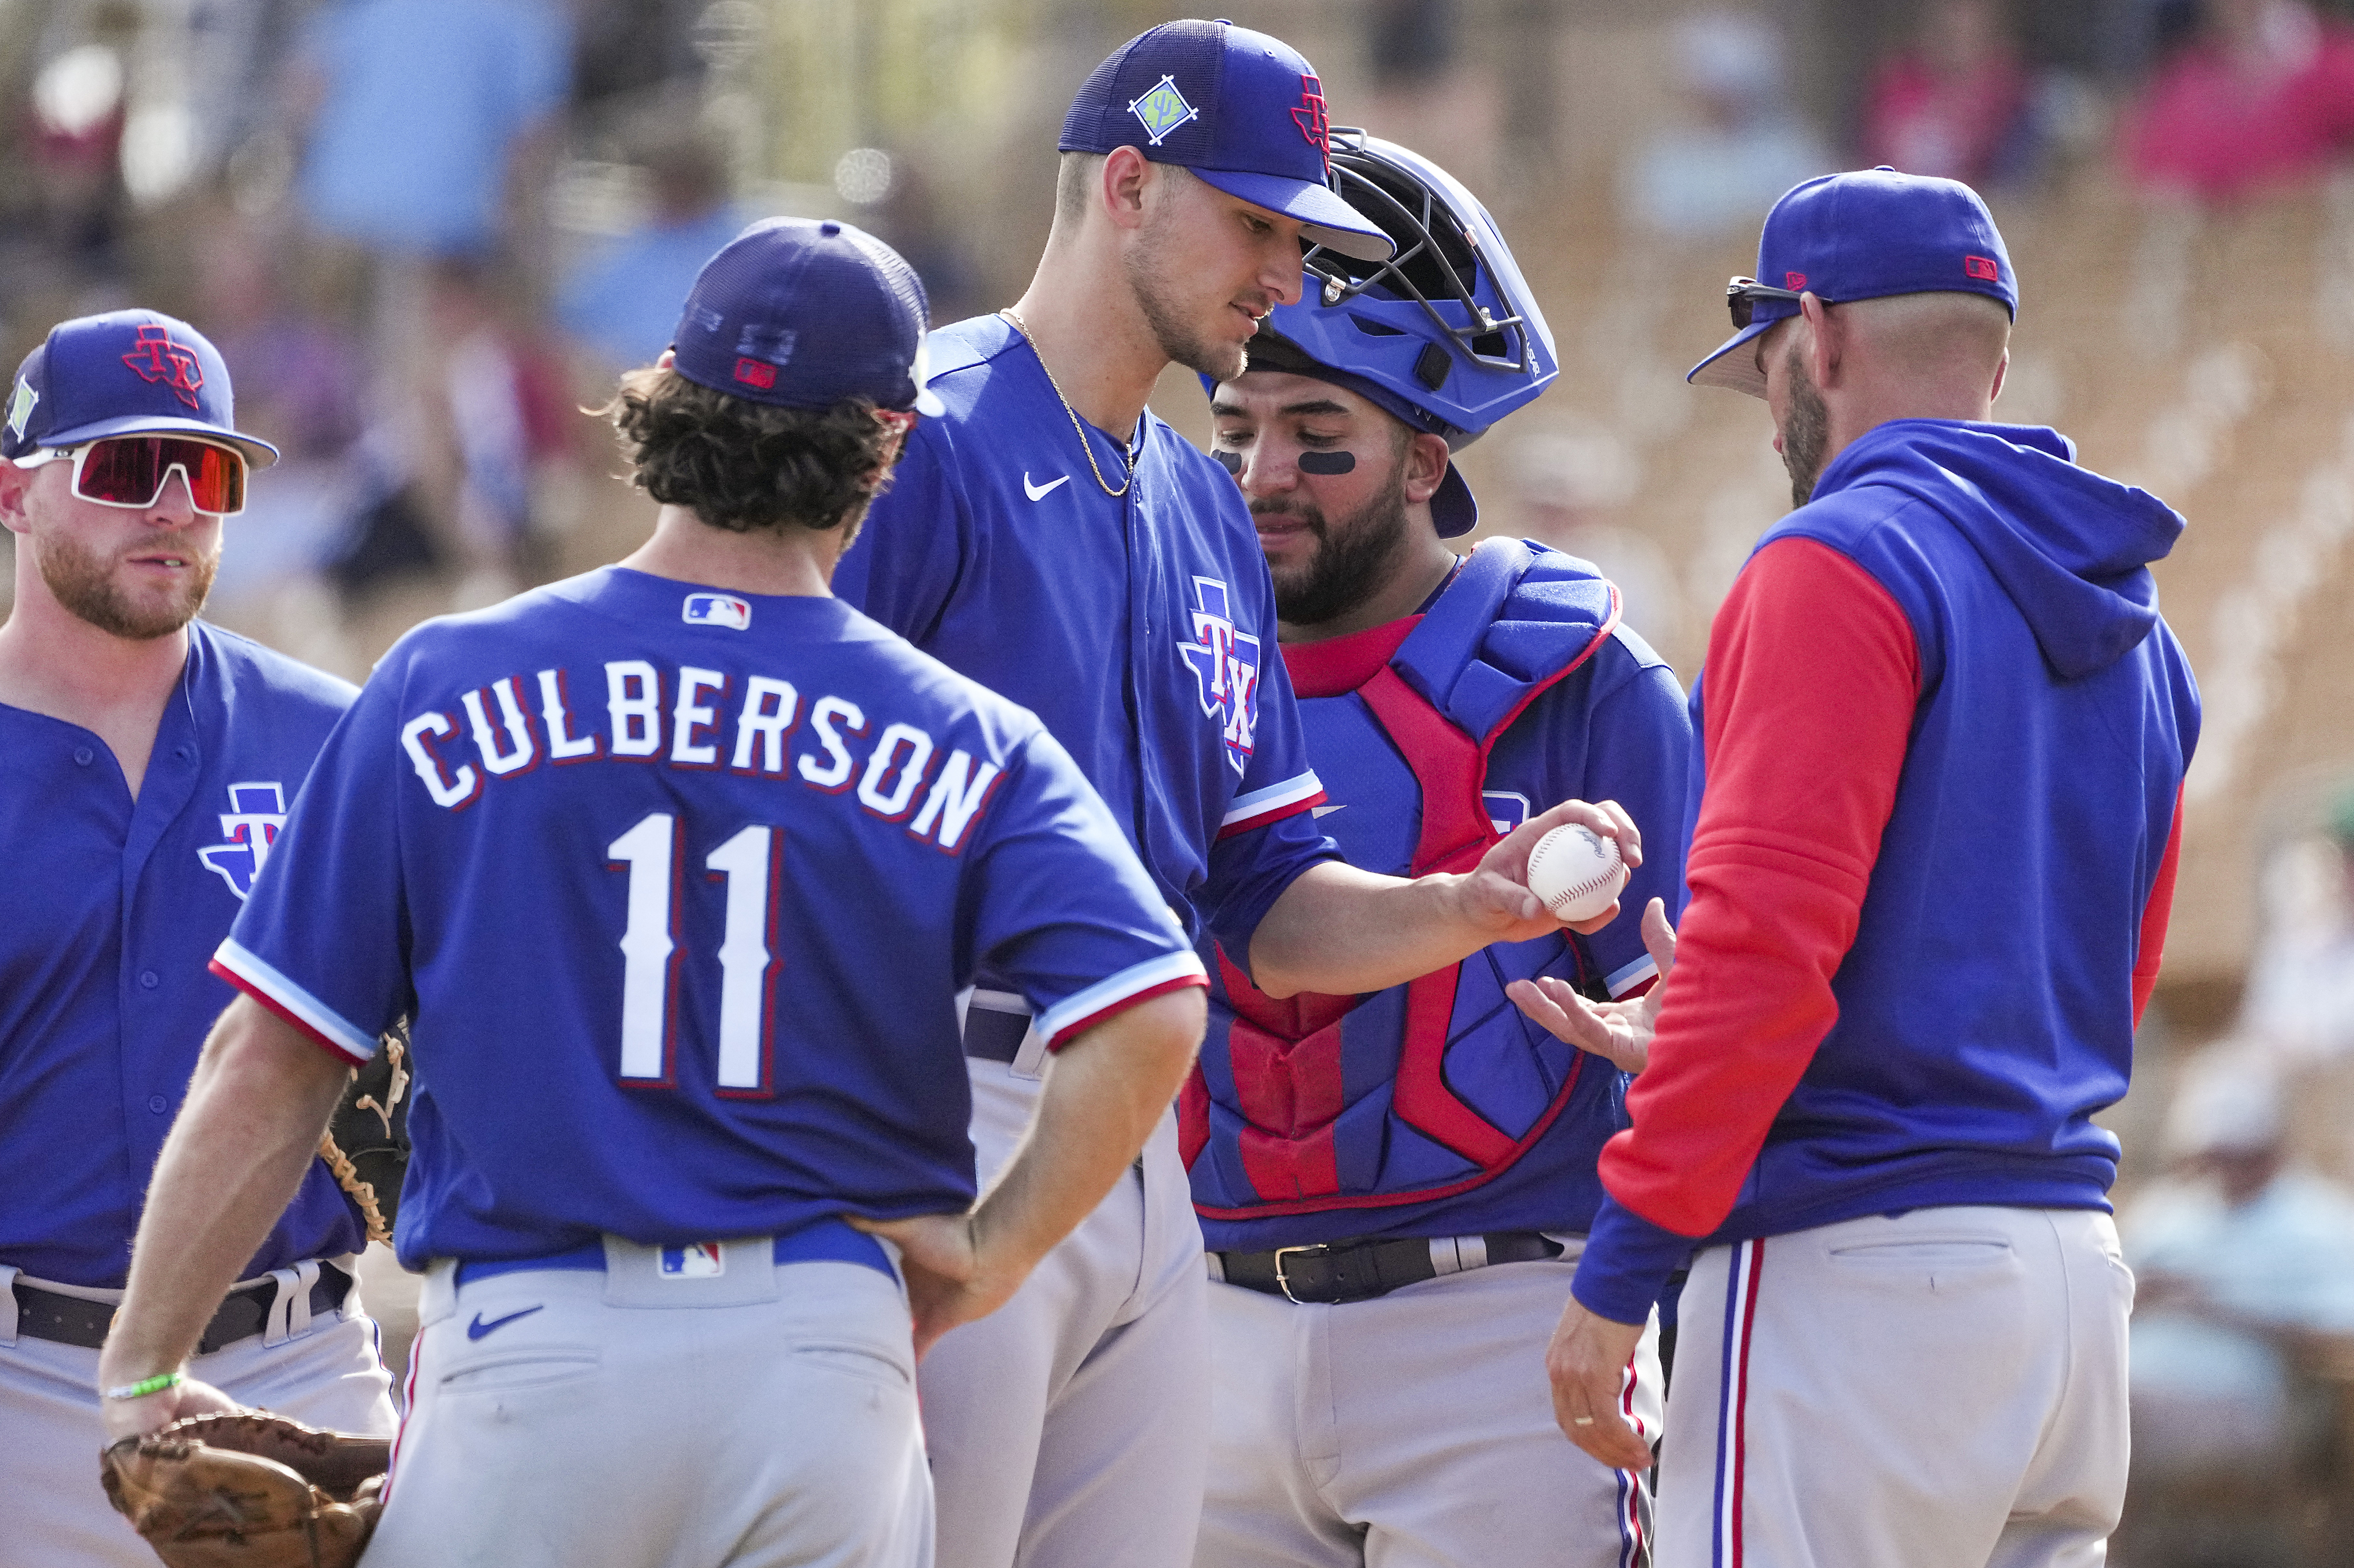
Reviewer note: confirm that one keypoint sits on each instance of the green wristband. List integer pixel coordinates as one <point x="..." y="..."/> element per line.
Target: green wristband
<point x="147" y="1385"/>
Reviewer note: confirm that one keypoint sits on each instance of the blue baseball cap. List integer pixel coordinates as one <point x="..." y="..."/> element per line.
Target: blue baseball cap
<point x="1864" y="235"/>
<point x="1243" y="111"/>
<point x="123" y="373"/>
<point x="800" y="313"/>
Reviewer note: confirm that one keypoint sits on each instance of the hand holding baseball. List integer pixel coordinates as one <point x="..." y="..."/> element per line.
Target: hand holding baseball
<point x="1501" y="884"/>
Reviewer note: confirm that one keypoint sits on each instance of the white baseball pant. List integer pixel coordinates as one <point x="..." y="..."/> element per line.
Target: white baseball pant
<point x="57" y="1515"/>
<point x="1944" y="1388"/>
<point x="1415" y="1430"/>
<point x="1068" y="1428"/>
<point x="562" y="1418"/>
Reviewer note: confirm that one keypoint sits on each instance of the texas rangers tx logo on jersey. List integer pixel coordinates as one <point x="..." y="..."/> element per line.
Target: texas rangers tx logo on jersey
<point x="1225" y="664"/>
<point x="257" y="811"/>
<point x="157" y="357"/>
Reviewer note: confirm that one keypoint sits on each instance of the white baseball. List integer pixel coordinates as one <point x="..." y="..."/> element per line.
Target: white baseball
<point x="1576" y="872"/>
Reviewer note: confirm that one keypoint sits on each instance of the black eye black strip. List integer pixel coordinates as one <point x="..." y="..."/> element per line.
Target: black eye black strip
<point x="1327" y="462"/>
<point x="1231" y="461"/>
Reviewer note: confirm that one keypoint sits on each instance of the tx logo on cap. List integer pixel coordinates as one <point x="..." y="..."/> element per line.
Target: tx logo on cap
<point x="157" y="357"/>
<point x="1162" y="110"/>
<point x="1310" y="116"/>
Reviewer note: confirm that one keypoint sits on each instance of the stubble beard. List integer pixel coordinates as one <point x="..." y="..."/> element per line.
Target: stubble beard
<point x="1351" y="561"/>
<point x="1806" y="432"/>
<point x="1158" y="297"/>
<point x="83" y="583"/>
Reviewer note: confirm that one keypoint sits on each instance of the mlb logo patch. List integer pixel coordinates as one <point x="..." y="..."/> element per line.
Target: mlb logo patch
<point x="752" y="372"/>
<point x="696" y="1260"/>
<point x="1982" y="267"/>
<point x="717" y="610"/>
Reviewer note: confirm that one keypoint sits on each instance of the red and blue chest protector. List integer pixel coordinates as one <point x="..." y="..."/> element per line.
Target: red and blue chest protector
<point x="1435" y="1108"/>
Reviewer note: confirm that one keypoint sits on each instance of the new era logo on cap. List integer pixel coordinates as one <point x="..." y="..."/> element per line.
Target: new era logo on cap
<point x="717" y="610"/>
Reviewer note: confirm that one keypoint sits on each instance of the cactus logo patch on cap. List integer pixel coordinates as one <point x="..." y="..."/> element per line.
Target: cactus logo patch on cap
<point x="1162" y="110"/>
<point x="20" y="406"/>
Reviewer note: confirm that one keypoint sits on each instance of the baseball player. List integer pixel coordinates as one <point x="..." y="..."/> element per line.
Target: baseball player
<point x="1944" y="733"/>
<point x="150" y="761"/>
<point x="1395" y="1187"/>
<point x="682" y="865"/>
<point x="1054" y="540"/>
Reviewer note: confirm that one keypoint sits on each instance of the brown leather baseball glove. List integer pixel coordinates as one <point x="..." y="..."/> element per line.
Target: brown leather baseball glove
<point x="248" y="1490"/>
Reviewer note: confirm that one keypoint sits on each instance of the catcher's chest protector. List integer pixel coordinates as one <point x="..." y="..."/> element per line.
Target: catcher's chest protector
<point x="1317" y="1102"/>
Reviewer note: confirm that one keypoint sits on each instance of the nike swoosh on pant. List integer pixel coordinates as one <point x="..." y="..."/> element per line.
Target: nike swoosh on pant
<point x="1038" y="491"/>
<point x="477" y="1329"/>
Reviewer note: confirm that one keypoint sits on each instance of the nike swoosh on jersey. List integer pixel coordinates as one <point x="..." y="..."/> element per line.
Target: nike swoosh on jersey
<point x="1040" y="492"/>
<point x="477" y="1329"/>
<point x="1325" y="810"/>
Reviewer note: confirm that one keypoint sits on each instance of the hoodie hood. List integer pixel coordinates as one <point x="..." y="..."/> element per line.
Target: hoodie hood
<point x="2071" y="548"/>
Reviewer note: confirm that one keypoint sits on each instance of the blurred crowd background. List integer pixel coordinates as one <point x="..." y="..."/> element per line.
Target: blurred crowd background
<point x="426" y="232"/>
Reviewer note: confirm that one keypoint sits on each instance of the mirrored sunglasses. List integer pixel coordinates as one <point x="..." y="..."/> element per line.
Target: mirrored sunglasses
<point x="132" y="471"/>
<point x="1742" y="294"/>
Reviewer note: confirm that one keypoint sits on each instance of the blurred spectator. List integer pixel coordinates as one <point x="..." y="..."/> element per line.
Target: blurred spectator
<point x="2244" y="1268"/>
<point x="512" y="427"/>
<point x="75" y="140"/>
<point x="2263" y="94"/>
<point x="420" y="110"/>
<point x="1955" y="102"/>
<point x="1572" y="482"/>
<point x="303" y="381"/>
<point x="911" y="221"/>
<point x="1741" y="144"/>
<point x="622" y="302"/>
<point x="2301" y="987"/>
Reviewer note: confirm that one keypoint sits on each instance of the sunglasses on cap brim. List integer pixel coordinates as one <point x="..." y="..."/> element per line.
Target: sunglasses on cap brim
<point x="1742" y="294"/>
<point x="132" y="471"/>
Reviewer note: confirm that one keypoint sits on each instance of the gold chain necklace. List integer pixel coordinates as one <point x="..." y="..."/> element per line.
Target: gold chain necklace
<point x="1086" y="445"/>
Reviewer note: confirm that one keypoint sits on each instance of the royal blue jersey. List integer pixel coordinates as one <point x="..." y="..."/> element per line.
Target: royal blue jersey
<point x="1139" y="628"/>
<point x="680" y="886"/>
<point x="115" y="905"/>
<point x="1317" y="1142"/>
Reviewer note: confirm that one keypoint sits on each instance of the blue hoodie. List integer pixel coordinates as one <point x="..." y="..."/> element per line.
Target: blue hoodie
<point x="1929" y="1009"/>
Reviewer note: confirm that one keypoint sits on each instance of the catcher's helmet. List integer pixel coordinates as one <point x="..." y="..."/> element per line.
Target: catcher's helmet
<point x="1445" y="333"/>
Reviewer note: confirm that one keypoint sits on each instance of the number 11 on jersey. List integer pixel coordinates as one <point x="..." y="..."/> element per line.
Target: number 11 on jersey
<point x="651" y="953"/>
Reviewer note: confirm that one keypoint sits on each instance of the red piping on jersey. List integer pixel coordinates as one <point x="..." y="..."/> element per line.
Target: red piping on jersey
<point x="1285" y="1055"/>
<point x="2154" y="913"/>
<point x="1273" y="814"/>
<point x="276" y="1009"/>
<point x="1071" y="1032"/>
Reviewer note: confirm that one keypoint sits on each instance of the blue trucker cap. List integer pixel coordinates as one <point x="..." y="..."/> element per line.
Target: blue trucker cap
<point x="1863" y="235"/>
<point x="800" y="313"/>
<point x="123" y="373"/>
<point x="1243" y="111"/>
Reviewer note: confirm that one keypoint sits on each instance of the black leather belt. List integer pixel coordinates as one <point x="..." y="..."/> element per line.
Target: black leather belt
<point x="1333" y="1272"/>
<point x="994" y="1036"/>
<point x="70" y="1320"/>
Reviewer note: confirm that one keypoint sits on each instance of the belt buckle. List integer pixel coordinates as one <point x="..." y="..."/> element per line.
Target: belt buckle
<point x="1282" y="1283"/>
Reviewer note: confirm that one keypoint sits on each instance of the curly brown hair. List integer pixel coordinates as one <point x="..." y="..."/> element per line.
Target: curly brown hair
<point x="743" y="466"/>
